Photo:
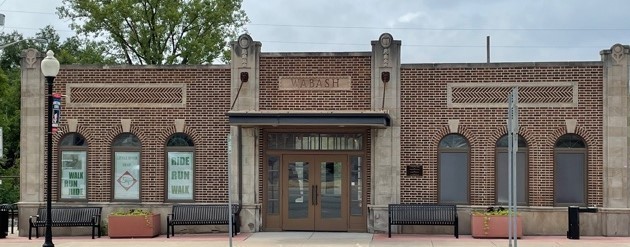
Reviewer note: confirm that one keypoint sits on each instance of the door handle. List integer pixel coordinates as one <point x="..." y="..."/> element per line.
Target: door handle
<point x="316" y="194"/>
<point x="313" y="195"/>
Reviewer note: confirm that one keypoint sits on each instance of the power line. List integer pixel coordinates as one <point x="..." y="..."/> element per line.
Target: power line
<point x="27" y="12"/>
<point x="432" y="45"/>
<point x="439" y="29"/>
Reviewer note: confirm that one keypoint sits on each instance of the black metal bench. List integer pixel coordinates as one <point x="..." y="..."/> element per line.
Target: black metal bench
<point x="202" y="214"/>
<point x="67" y="217"/>
<point x="422" y="214"/>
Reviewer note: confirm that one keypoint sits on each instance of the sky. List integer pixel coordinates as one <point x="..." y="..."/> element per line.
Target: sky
<point x="431" y="31"/>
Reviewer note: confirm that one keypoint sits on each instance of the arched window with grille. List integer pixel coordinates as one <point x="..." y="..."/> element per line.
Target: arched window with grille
<point x="126" y="159"/>
<point x="73" y="151"/>
<point x="180" y="168"/>
<point x="453" y="170"/>
<point x="501" y="171"/>
<point x="570" y="171"/>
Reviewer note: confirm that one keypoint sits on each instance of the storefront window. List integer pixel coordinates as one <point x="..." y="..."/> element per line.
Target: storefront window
<point x="180" y="159"/>
<point x="126" y="175"/>
<point x="73" y="181"/>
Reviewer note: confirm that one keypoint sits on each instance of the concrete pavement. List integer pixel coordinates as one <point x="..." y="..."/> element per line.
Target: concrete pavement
<point x="285" y="239"/>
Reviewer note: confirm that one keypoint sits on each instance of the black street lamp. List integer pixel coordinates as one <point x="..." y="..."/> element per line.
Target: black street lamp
<point x="50" y="68"/>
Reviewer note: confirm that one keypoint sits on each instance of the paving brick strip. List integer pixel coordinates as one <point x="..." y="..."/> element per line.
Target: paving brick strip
<point x="281" y="239"/>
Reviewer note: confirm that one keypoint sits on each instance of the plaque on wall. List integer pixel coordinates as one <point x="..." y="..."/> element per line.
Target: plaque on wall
<point x="414" y="170"/>
<point x="315" y="83"/>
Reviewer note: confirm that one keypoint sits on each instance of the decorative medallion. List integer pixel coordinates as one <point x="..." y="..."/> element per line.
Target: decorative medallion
<point x="31" y="59"/>
<point x="385" y="40"/>
<point x="617" y="52"/>
<point x="244" y="41"/>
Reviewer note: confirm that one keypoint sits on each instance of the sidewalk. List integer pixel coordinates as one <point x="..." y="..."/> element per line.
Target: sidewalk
<point x="282" y="239"/>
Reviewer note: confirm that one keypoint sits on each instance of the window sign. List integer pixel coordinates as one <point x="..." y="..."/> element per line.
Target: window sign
<point x="127" y="175"/>
<point x="73" y="174"/>
<point x="180" y="175"/>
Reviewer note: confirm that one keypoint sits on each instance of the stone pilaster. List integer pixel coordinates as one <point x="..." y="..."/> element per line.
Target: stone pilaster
<point x="32" y="136"/>
<point x="245" y="75"/>
<point x="386" y="158"/>
<point x="616" y="139"/>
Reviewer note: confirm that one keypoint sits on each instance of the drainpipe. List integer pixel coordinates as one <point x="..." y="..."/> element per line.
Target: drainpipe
<point x="239" y="153"/>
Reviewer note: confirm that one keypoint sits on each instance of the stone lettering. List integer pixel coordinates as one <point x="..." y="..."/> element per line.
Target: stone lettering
<point x="315" y="83"/>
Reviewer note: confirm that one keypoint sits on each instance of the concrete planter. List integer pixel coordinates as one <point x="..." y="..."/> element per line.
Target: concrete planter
<point x="133" y="226"/>
<point x="494" y="226"/>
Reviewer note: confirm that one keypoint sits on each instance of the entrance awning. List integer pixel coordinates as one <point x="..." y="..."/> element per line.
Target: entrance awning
<point x="378" y="119"/>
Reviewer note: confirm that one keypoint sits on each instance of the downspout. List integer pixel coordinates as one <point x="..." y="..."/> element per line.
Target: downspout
<point x="239" y="153"/>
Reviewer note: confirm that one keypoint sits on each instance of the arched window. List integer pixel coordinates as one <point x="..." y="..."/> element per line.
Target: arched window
<point x="501" y="171"/>
<point x="453" y="170"/>
<point x="126" y="149"/>
<point x="180" y="167"/>
<point x="73" y="167"/>
<point x="570" y="180"/>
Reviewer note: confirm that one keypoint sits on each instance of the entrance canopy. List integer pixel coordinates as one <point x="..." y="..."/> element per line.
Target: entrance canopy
<point x="378" y="119"/>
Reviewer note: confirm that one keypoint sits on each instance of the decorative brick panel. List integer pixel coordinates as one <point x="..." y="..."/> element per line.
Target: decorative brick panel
<point x="552" y="94"/>
<point x="126" y="95"/>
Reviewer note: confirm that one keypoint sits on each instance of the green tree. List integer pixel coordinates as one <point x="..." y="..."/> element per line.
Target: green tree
<point x="159" y="31"/>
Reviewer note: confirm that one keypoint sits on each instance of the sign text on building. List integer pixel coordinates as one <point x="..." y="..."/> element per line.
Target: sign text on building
<point x="314" y="83"/>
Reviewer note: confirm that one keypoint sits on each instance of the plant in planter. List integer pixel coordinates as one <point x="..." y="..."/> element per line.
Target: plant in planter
<point x="134" y="223"/>
<point x="493" y="223"/>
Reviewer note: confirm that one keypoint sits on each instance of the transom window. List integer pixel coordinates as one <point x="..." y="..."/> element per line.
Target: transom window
<point x="314" y="141"/>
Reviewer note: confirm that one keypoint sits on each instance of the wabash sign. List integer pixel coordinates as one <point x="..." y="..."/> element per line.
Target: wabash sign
<point x="317" y="83"/>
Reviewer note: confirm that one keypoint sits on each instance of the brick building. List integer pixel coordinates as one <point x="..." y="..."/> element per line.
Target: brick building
<point x="324" y="141"/>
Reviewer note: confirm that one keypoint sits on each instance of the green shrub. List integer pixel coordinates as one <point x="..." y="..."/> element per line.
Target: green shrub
<point x="132" y="212"/>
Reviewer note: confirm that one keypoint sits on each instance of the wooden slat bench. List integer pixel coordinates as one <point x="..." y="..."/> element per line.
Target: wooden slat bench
<point x="67" y="217"/>
<point x="422" y="214"/>
<point x="202" y="214"/>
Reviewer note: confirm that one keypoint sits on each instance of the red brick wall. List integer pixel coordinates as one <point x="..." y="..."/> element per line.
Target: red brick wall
<point x="208" y="99"/>
<point x="358" y="68"/>
<point x="425" y="115"/>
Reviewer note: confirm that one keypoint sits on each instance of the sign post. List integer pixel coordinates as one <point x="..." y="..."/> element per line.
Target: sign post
<point x="229" y="168"/>
<point x="512" y="148"/>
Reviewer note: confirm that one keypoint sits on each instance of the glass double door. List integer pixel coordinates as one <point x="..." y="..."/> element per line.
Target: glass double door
<point x="315" y="192"/>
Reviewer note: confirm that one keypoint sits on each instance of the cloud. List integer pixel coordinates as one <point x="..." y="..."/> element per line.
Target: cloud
<point x="406" y="18"/>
